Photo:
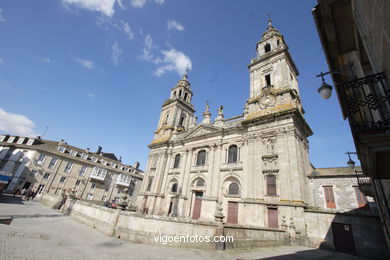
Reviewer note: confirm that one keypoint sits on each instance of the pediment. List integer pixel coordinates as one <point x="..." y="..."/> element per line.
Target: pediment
<point x="202" y="130"/>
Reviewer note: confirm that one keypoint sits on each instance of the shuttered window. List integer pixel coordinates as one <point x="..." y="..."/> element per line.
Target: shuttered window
<point x="361" y="198"/>
<point x="271" y="185"/>
<point x="329" y="197"/>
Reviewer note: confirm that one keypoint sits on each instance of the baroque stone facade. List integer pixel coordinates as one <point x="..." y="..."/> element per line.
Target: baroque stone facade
<point x="255" y="164"/>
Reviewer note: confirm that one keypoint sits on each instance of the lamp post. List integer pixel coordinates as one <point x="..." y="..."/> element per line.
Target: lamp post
<point x="325" y="89"/>
<point x="350" y="162"/>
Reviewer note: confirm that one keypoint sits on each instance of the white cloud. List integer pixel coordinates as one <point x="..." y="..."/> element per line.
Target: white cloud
<point x="85" y="63"/>
<point x="174" y="25"/>
<point x="91" y="95"/>
<point x="47" y="60"/>
<point x="105" y="7"/>
<point x="173" y="61"/>
<point x="166" y="60"/>
<point x="116" y="53"/>
<point x="16" y="124"/>
<point x="147" y="50"/>
<point x="2" y="19"/>
<point x="127" y="30"/>
<point x="160" y="2"/>
<point x="138" y="3"/>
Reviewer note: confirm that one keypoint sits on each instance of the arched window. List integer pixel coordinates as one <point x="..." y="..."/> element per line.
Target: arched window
<point x="185" y="96"/>
<point x="232" y="154"/>
<point x="199" y="183"/>
<point x="267" y="48"/>
<point x="174" y="93"/>
<point x="182" y="120"/>
<point x="180" y="93"/>
<point x="177" y="161"/>
<point x="201" y="159"/>
<point x="174" y="187"/>
<point x="234" y="189"/>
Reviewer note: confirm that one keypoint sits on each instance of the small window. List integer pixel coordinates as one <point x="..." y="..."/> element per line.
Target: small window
<point x="271" y="185"/>
<point x="34" y="173"/>
<point x="40" y="159"/>
<point x="180" y="93"/>
<point x="174" y="187"/>
<point x="63" y="179"/>
<point x="329" y="197"/>
<point x="267" y="48"/>
<point x="232" y="154"/>
<point x="185" y="96"/>
<point x="77" y="183"/>
<point x="93" y="185"/>
<point x="104" y="198"/>
<point x="277" y="42"/>
<point x="150" y="184"/>
<point x="68" y="167"/>
<point x="52" y="162"/>
<point x="83" y="170"/>
<point x="174" y="93"/>
<point x="46" y="176"/>
<point x="361" y="198"/>
<point x="61" y="149"/>
<point x="234" y="189"/>
<point x="177" y="161"/>
<point x="182" y="121"/>
<point x="73" y="153"/>
<point x="268" y="79"/>
<point x="201" y="158"/>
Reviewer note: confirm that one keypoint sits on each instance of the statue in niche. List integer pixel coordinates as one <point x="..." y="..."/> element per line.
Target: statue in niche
<point x="270" y="146"/>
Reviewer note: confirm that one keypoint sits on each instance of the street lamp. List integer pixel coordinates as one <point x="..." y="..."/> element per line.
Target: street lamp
<point x="350" y="162"/>
<point x="326" y="90"/>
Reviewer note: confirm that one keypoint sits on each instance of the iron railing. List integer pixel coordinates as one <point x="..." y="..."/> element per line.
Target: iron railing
<point x="367" y="103"/>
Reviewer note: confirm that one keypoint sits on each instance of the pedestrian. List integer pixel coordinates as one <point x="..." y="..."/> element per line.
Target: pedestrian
<point x="16" y="192"/>
<point x="34" y="194"/>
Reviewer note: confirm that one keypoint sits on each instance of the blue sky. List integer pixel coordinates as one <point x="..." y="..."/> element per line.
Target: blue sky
<point x="96" y="72"/>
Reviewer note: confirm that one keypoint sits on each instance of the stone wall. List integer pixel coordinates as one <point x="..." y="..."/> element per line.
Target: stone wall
<point x="367" y="232"/>
<point x="52" y="201"/>
<point x="140" y="228"/>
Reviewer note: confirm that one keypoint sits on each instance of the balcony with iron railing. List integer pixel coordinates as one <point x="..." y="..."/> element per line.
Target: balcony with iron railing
<point x="367" y="104"/>
<point x="365" y="184"/>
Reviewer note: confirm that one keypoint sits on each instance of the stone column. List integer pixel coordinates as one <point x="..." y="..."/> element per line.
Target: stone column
<point x="183" y="187"/>
<point x="212" y="165"/>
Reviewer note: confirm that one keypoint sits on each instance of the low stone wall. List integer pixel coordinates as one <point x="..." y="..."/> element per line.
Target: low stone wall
<point x="52" y="201"/>
<point x="248" y="237"/>
<point x="367" y="232"/>
<point x="99" y="217"/>
<point x="146" y="229"/>
<point x="150" y="229"/>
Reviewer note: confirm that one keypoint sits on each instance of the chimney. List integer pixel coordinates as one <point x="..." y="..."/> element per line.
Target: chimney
<point x="99" y="150"/>
<point x="136" y="165"/>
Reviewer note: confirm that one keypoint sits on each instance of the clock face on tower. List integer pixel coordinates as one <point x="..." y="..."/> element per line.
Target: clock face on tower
<point x="266" y="101"/>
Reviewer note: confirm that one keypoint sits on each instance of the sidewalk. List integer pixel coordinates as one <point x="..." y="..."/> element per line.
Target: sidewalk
<point x="38" y="232"/>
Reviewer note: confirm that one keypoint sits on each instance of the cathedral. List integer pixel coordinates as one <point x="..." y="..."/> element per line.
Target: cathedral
<point x="255" y="163"/>
<point x="251" y="173"/>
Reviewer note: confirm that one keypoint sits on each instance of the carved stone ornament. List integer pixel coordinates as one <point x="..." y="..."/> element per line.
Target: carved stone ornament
<point x="267" y="101"/>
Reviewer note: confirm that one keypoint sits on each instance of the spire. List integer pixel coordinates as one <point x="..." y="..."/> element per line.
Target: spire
<point x="185" y="75"/>
<point x="269" y="21"/>
<point x="207" y="114"/>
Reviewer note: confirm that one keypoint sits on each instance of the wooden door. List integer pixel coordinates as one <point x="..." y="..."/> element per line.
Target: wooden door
<point x="273" y="217"/>
<point x="343" y="238"/>
<point x="232" y="212"/>
<point x="197" y="205"/>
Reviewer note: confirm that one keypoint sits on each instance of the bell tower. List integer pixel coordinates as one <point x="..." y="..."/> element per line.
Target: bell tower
<point x="273" y="77"/>
<point x="177" y="112"/>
